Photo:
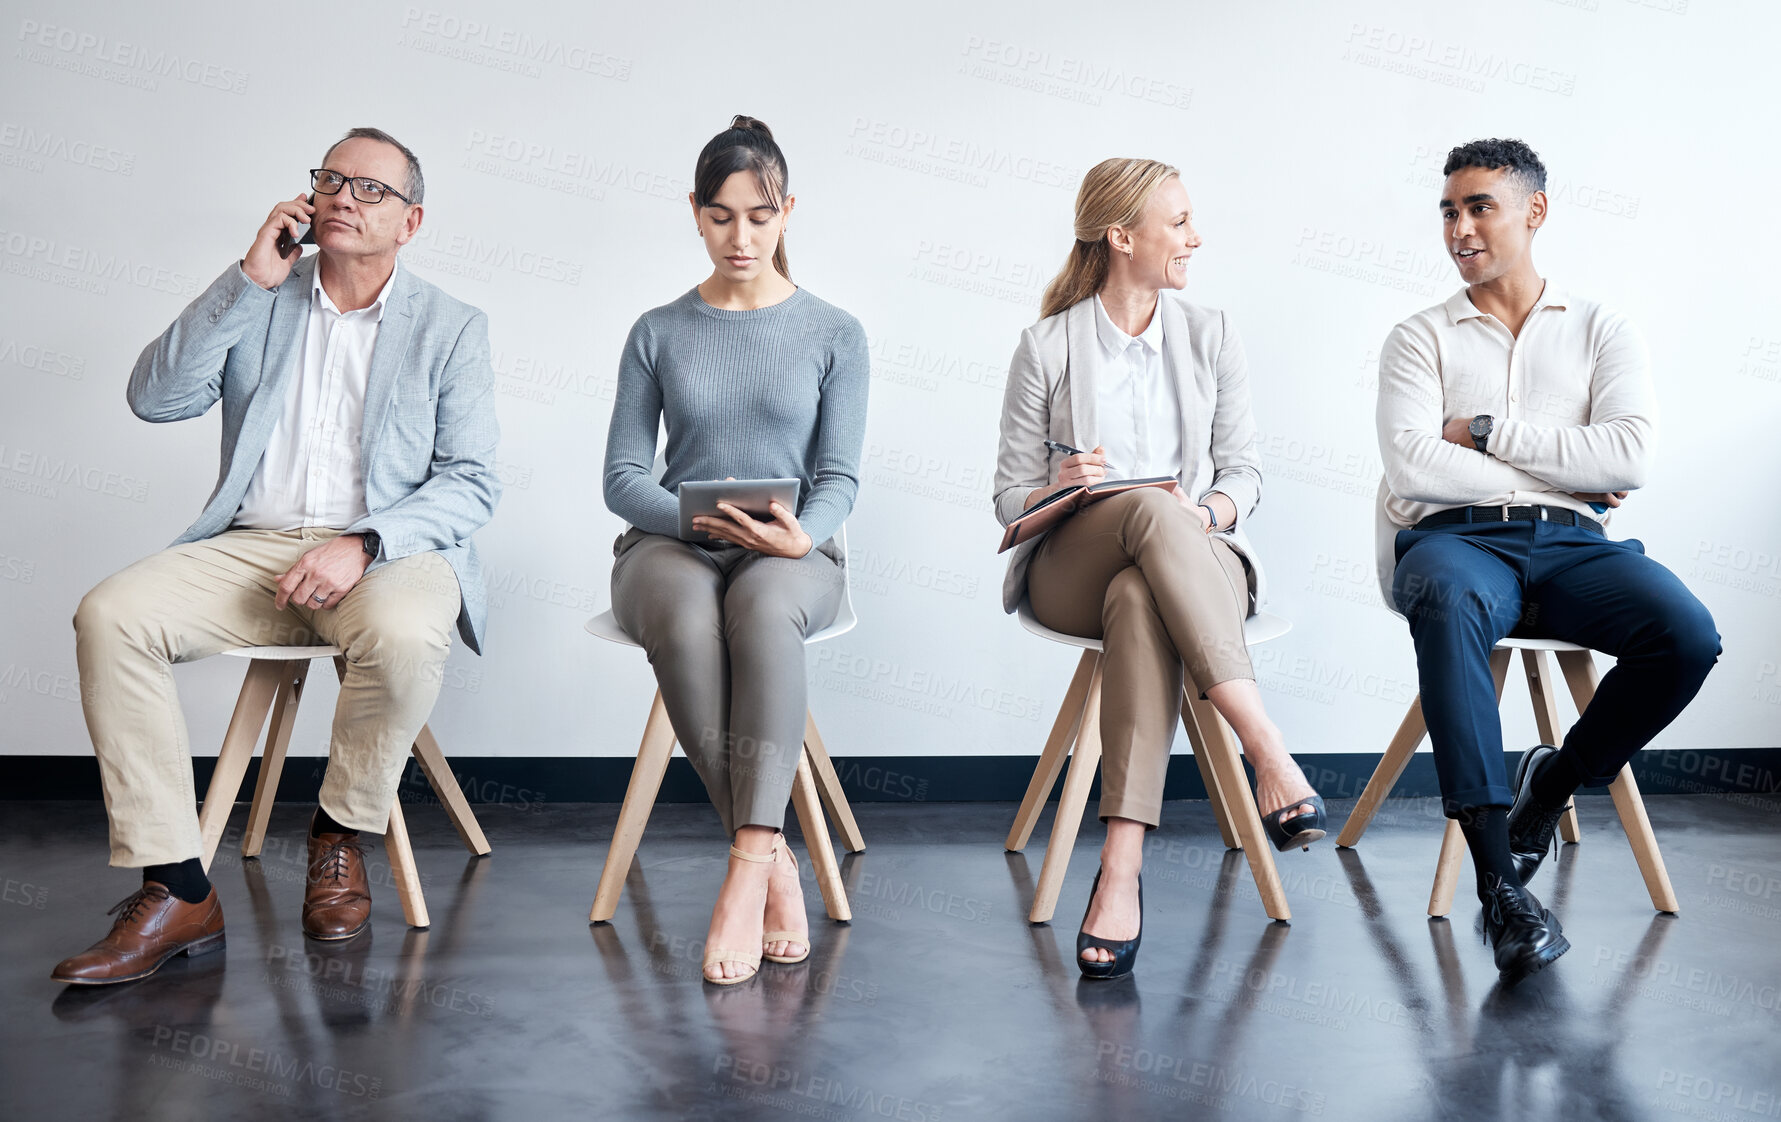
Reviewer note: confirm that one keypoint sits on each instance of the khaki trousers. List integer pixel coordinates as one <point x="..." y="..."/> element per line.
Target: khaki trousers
<point x="724" y="631"/>
<point x="1137" y="572"/>
<point x="199" y="599"/>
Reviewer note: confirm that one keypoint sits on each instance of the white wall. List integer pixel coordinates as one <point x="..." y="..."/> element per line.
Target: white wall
<point x="935" y="152"/>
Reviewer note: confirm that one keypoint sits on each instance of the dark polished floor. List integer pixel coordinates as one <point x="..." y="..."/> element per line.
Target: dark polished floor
<point x="938" y="1002"/>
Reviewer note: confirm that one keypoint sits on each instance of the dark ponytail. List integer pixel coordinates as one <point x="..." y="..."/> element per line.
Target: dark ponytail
<point x="747" y="145"/>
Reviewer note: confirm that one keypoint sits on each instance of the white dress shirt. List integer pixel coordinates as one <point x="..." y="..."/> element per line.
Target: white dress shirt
<point x="1137" y="404"/>
<point x="310" y="474"/>
<point x="1571" y="396"/>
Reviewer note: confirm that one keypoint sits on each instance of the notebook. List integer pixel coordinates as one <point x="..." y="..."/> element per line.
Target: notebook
<point x="1068" y="501"/>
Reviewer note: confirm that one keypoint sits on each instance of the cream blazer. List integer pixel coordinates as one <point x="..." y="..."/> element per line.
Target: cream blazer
<point x="1051" y="395"/>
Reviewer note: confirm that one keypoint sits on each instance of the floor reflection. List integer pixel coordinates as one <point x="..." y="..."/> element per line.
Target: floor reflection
<point x="1531" y="1047"/>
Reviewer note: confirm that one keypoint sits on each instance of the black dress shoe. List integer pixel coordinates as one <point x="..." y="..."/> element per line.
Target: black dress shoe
<point x="1124" y="954"/>
<point x="1532" y="827"/>
<point x="1524" y="936"/>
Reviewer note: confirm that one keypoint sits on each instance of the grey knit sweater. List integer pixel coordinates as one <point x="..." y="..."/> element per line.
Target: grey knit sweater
<point x="776" y="392"/>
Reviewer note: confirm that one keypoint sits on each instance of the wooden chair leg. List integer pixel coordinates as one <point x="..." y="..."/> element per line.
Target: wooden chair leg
<point x="1391" y="768"/>
<point x="1569" y="830"/>
<point x="257" y="691"/>
<point x="1221" y="810"/>
<point x="402" y="869"/>
<point x="1217" y="741"/>
<point x="828" y="785"/>
<point x="1631" y="808"/>
<point x="1084" y="762"/>
<point x="444" y="783"/>
<point x="1453" y="842"/>
<point x="1542" y="691"/>
<point x="451" y="796"/>
<point x="640" y="797"/>
<point x="1057" y="746"/>
<point x="816" y="843"/>
<point x="1453" y="852"/>
<point x="1579" y="671"/>
<point x="278" y="740"/>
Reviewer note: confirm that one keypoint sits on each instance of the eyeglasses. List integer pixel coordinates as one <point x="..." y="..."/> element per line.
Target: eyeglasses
<point x="364" y="189"/>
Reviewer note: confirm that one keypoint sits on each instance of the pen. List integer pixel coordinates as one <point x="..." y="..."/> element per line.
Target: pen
<point x="1069" y="451"/>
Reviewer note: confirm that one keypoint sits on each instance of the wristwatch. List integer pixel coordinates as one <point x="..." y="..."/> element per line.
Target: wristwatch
<point x="372" y="541"/>
<point x="1480" y="430"/>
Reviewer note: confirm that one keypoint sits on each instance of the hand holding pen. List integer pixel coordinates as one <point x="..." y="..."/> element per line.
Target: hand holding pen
<point x="1080" y="468"/>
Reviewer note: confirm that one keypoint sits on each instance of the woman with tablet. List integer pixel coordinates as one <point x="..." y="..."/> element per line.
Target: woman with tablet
<point x="1120" y="365"/>
<point x="756" y="380"/>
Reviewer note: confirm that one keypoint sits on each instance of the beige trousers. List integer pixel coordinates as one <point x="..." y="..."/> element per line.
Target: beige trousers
<point x="199" y="599"/>
<point x="1137" y="572"/>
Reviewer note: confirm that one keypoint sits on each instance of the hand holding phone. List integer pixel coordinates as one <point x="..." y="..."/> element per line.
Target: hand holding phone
<point x="290" y="241"/>
<point x="277" y="245"/>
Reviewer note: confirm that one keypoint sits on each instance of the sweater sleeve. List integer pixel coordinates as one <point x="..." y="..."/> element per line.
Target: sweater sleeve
<point x="631" y="490"/>
<point x="1613" y="451"/>
<point x="1420" y="467"/>
<point x="840" y="434"/>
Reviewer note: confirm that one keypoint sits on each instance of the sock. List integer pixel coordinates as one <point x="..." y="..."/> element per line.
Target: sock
<point x="1556" y="779"/>
<point x="185" y="879"/>
<point x="1487" y="837"/>
<point x="324" y="824"/>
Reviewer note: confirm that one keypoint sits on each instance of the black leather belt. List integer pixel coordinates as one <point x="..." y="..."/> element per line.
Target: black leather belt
<point x="1563" y="516"/>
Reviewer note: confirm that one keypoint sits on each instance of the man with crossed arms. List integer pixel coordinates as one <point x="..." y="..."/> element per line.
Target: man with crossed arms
<point x="358" y="452"/>
<point x="1512" y="419"/>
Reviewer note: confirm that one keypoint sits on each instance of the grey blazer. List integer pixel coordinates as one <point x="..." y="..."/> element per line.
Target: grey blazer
<point x="428" y="451"/>
<point x="1051" y="394"/>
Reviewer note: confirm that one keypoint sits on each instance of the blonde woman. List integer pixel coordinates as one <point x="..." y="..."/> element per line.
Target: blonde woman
<point x="1150" y="385"/>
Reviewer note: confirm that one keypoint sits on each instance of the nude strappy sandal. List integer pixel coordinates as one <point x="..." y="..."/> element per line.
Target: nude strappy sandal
<point x="750" y="959"/>
<point x="785" y="936"/>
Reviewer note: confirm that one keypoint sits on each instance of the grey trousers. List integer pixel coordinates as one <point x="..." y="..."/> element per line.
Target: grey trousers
<point x="724" y="630"/>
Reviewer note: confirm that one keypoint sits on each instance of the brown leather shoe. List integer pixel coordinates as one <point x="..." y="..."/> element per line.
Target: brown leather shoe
<point x="337" y="901"/>
<point x="152" y="926"/>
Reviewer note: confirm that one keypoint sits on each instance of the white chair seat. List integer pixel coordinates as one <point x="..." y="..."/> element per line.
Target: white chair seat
<point x="1257" y="629"/>
<point x="285" y="654"/>
<point x="1513" y="643"/>
<point x="606" y="626"/>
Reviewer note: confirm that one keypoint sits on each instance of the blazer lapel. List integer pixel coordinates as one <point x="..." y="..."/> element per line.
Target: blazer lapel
<point x="1084" y="362"/>
<point x="1178" y="363"/>
<point x="278" y="364"/>
<point x="386" y="364"/>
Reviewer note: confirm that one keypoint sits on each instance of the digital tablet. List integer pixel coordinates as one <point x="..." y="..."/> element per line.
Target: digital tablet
<point x="751" y="496"/>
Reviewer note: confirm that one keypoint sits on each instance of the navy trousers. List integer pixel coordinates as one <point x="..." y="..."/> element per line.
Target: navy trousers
<point x="1465" y="585"/>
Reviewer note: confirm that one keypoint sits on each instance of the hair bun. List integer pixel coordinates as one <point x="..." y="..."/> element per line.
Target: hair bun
<point x="744" y="121"/>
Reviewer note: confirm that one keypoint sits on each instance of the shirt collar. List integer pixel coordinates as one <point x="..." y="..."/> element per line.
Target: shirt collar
<point x="1115" y="341"/>
<point x="317" y="292"/>
<point x="1460" y="307"/>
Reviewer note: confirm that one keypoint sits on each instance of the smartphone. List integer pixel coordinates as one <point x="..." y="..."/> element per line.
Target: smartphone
<point x="305" y="236"/>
